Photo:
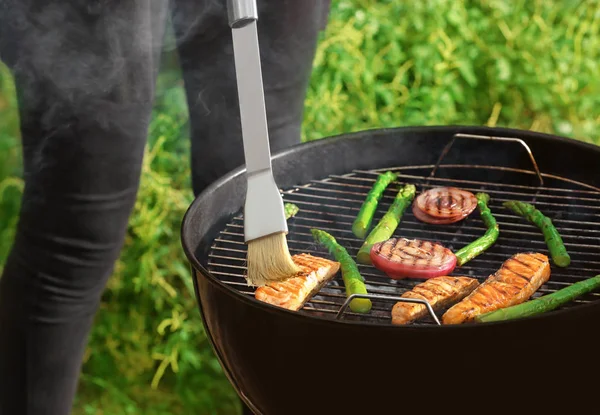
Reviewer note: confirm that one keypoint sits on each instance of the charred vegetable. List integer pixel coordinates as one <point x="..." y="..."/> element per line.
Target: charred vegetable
<point x="290" y="210"/>
<point x="411" y="258"/>
<point x="542" y="304"/>
<point x="443" y="205"/>
<point x="388" y="224"/>
<point x="478" y="246"/>
<point x="557" y="249"/>
<point x="363" y="220"/>
<point x="353" y="281"/>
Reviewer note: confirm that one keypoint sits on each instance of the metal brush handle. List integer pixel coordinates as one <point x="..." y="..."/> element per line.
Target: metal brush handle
<point x="241" y="12"/>
<point x="389" y="298"/>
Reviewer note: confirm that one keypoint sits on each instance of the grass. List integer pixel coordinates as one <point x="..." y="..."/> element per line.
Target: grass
<point x="524" y="64"/>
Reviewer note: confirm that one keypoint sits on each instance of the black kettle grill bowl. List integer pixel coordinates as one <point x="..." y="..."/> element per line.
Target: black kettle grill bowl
<point x="284" y="362"/>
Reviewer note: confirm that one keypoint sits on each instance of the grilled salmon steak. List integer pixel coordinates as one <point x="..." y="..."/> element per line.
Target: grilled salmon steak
<point x="294" y="292"/>
<point x="440" y="292"/>
<point x="517" y="279"/>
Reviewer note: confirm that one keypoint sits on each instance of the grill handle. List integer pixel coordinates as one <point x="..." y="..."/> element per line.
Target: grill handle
<point x="491" y="138"/>
<point x="241" y="12"/>
<point x="390" y="298"/>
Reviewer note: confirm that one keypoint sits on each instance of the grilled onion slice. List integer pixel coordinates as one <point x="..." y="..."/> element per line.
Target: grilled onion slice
<point x="424" y="217"/>
<point x="443" y="205"/>
<point x="412" y="258"/>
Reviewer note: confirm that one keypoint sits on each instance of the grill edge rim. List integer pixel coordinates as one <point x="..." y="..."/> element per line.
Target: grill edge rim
<point x="198" y="267"/>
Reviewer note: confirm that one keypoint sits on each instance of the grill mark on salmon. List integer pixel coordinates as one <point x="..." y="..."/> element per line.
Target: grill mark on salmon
<point x="522" y="263"/>
<point x="516" y="281"/>
<point x="440" y="292"/>
<point x="539" y="258"/>
<point x="294" y="292"/>
<point x="508" y="272"/>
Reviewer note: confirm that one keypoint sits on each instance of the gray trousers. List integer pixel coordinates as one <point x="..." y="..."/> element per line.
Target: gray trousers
<point x="85" y="72"/>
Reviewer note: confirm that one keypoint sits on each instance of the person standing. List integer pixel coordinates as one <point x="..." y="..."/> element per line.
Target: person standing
<point x="85" y="72"/>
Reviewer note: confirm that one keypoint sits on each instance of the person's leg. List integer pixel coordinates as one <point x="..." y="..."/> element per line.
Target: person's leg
<point x="84" y="76"/>
<point x="287" y="31"/>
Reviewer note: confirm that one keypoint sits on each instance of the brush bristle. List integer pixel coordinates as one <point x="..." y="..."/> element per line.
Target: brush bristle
<point x="269" y="260"/>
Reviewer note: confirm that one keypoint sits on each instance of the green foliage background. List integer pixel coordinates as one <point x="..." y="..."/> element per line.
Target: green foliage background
<point x="527" y="64"/>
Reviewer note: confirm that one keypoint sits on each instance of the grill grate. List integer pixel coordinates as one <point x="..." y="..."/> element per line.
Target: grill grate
<point x="333" y="203"/>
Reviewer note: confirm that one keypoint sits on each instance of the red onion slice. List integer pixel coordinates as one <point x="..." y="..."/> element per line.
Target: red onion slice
<point x="424" y="217"/>
<point x="412" y="258"/>
<point x="448" y="204"/>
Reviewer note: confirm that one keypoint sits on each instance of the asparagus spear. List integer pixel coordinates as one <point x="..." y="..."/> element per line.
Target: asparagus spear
<point x="388" y="224"/>
<point x="353" y="281"/>
<point x="479" y="245"/>
<point x="362" y="223"/>
<point x="542" y="304"/>
<point x="290" y="210"/>
<point x="555" y="244"/>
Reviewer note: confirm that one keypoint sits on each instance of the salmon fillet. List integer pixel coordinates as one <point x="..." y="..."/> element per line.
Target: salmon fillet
<point x="294" y="292"/>
<point x="515" y="282"/>
<point x="440" y="292"/>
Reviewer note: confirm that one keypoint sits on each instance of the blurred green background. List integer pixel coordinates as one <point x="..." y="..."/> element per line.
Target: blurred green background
<point x="528" y="64"/>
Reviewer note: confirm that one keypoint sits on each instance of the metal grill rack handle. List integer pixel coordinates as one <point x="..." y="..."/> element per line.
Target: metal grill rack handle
<point x="492" y="138"/>
<point x="389" y="298"/>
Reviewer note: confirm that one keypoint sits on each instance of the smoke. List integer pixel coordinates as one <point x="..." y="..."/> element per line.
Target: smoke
<point x="186" y="19"/>
<point x="87" y="60"/>
<point x="86" y="69"/>
<point x="73" y="55"/>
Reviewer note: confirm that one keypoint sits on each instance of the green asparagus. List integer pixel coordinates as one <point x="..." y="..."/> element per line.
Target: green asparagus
<point x="542" y="304"/>
<point x="557" y="249"/>
<point x="481" y="244"/>
<point x="290" y="210"/>
<point x="363" y="220"/>
<point x="353" y="281"/>
<point x="388" y="224"/>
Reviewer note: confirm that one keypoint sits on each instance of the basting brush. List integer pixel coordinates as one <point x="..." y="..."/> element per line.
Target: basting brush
<point x="265" y="225"/>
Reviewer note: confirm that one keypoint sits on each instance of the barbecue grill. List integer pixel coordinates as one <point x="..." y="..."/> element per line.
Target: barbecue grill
<point x="326" y="359"/>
